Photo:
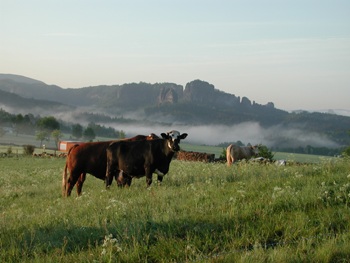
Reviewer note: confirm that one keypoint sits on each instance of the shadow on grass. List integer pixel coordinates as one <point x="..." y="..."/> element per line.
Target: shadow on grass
<point x="61" y="240"/>
<point x="51" y="239"/>
<point x="149" y="239"/>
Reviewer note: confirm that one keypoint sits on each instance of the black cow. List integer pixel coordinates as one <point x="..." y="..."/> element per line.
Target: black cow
<point x="126" y="160"/>
<point x="89" y="158"/>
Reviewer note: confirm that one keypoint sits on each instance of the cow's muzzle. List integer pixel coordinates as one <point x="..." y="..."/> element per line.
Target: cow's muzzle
<point x="176" y="148"/>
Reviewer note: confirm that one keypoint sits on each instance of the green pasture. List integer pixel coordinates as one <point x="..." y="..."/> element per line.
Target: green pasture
<point x="203" y="212"/>
<point x="23" y="139"/>
<point x="16" y="141"/>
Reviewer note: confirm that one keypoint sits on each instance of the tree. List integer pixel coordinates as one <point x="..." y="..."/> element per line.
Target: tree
<point x="42" y="136"/>
<point x="346" y="151"/>
<point x="56" y="135"/>
<point x="89" y="134"/>
<point x="95" y="127"/>
<point x="22" y="124"/>
<point x="77" y="131"/>
<point x="122" y="134"/>
<point x="48" y="123"/>
<point x="18" y="123"/>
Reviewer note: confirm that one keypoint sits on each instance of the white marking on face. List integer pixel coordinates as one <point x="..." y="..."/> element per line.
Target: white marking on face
<point x="174" y="134"/>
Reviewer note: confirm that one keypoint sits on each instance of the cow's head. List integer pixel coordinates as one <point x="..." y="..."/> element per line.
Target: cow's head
<point x="173" y="138"/>
<point x="255" y="150"/>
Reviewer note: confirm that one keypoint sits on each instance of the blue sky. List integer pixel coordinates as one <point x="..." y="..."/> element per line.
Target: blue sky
<point x="293" y="53"/>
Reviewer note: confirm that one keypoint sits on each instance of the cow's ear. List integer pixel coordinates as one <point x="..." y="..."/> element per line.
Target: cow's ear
<point x="183" y="136"/>
<point x="164" y="136"/>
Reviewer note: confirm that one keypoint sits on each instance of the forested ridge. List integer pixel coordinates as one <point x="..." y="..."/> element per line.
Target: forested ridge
<point x="198" y="103"/>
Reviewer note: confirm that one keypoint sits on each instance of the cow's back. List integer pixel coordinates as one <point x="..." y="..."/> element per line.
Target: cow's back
<point x="89" y="158"/>
<point x="244" y="152"/>
<point x="133" y="156"/>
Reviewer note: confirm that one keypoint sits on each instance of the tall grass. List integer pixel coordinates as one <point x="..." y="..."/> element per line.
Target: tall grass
<point x="201" y="213"/>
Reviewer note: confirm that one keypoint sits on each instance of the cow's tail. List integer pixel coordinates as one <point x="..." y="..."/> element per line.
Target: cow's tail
<point x="64" y="180"/>
<point x="64" y="174"/>
<point x="229" y="155"/>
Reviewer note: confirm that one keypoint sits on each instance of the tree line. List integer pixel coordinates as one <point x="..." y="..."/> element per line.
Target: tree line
<point x="48" y="127"/>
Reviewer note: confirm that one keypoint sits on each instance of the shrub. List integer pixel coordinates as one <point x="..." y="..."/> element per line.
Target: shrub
<point x="223" y="154"/>
<point x="347" y="151"/>
<point x="9" y="150"/>
<point x="28" y="149"/>
<point x="265" y="152"/>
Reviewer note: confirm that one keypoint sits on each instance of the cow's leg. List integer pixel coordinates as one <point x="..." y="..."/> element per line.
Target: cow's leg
<point x="149" y="180"/>
<point x="123" y="179"/>
<point x="160" y="179"/>
<point x="71" y="182"/>
<point x="127" y="181"/>
<point x="120" y="178"/>
<point x="159" y="176"/>
<point x="109" y="174"/>
<point x="148" y="176"/>
<point x="80" y="183"/>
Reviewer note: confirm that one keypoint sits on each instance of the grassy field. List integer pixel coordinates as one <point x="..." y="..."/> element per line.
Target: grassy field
<point x="202" y="213"/>
<point x="16" y="141"/>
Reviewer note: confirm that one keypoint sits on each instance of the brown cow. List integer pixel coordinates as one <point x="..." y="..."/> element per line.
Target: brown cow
<point x="235" y="153"/>
<point x="88" y="158"/>
<point x="129" y="159"/>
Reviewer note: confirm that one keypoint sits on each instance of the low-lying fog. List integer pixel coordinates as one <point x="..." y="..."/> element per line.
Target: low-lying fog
<point x="248" y="132"/>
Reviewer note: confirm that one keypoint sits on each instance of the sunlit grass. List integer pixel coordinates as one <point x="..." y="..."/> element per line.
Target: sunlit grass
<point x="202" y="212"/>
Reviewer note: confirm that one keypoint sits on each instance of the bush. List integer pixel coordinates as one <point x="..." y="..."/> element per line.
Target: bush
<point x="9" y="150"/>
<point x="265" y="152"/>
<point x="347" y="151"/>
<point x="28" y="149"/>
<point x="223" y="154"/>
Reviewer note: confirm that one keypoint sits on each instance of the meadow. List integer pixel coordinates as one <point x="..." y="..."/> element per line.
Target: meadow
<point x="203" y="212"/>
<point x="15" y="142"/>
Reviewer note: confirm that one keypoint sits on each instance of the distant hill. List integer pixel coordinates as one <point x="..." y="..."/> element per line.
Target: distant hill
<point x="198" y="103"/>
<point x="20" y="79"/>
<point x="15" y="103"/>
<point x="127" y="97"/>
<point x="336" y="111"/>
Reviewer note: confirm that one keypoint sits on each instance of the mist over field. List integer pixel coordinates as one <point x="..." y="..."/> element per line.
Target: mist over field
<point x="247" y="132"/>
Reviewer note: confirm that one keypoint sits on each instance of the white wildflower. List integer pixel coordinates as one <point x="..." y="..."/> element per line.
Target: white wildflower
<point x="276" y="189"/>
<point x="110" y="243"/>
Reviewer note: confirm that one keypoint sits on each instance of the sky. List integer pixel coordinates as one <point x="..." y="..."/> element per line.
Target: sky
<point x="294" y="53"/>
